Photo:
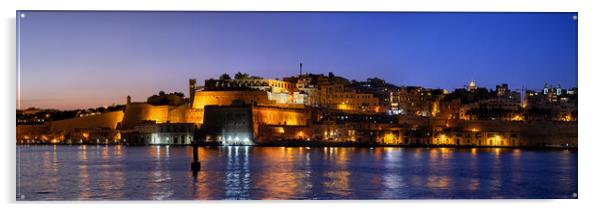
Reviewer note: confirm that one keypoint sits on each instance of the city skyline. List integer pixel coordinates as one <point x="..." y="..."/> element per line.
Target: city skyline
<point x="105" y="55"/>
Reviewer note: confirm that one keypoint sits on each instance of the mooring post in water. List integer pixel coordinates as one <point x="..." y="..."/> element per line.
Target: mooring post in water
<point x="195" y="166"/>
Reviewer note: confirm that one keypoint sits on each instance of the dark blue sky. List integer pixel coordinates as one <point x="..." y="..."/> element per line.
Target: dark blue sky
<point x="89" y="59"/>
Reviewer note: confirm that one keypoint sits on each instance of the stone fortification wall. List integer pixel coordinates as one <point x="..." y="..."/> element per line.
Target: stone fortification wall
<point x="136" y="113"/>
<point x="223" y="98"/>
<point x="105" y="120"/>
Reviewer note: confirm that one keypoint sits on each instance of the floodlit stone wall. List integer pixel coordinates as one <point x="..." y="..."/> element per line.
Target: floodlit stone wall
<point x="136" y="113"/>
<point x="222" y="98"/>
<point x="104" y="120"/>
<point x="266" y="115"/>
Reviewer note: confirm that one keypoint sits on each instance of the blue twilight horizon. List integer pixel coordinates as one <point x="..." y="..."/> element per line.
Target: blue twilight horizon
<point x="81" y="59"/>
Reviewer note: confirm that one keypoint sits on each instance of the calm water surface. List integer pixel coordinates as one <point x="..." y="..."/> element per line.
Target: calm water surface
<point x="46" y="172"/>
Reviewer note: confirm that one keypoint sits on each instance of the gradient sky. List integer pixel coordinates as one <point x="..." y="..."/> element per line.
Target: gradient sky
<point x="88" y="59"/>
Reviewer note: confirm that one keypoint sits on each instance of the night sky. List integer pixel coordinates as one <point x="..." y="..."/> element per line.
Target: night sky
<point x="88" y="59"/>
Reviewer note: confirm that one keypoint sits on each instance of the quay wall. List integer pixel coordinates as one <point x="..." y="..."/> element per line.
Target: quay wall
<point x="465" y="133"/>
<point x="32" y="132"/>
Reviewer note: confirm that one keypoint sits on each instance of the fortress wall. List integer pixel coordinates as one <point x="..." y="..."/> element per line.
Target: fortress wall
<point x="105" y="120"/>
<point x="136" y="113"/>
<point x="177" y="114"/>
<point x="221" y="98"/>
<point x="194" y="116"/>
<point x="280" y="116"/>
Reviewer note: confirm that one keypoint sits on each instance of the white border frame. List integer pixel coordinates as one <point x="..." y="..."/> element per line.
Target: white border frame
<point x="588" y="78"/>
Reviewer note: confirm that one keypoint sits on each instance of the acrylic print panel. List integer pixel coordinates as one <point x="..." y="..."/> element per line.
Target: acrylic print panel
<point x="296" y="105"/>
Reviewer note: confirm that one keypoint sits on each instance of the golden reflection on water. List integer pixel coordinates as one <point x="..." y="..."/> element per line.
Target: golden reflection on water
<point x="288" y="173"/>
<point x="104" y="153"/>
<point x="445" y="153"/>
<point x="341" y="157"/>
<point x="474" y="184"/>
<point x="203" y="153"/>
<point x="393" y="181"/>
<point x="106" y="180"/>
<point x="117" y="150"/>
<point x="418" y="153"/>
<point x="50" y="164"/>
<point x="438" y="182"/>
<point x="46" y="162"/>
<point x="565" y="159"/>
<point x="279" y="185"/>
<point x="54" y="154"/>
<point x="202" y="191"/>
<point x="207" y="184"/>
<point x="113" y="178"/>
<point x="83" y="154"/>
<point x="375" y="153"/>
<point x="517" y="172"/>
<point x="118" y="183"/>
<point x="158" y="152"/>
<point x="496" y="182"/>
<point x="516" y="153"/>
<point x="84" y="176"/>
<point x="433" y="153"/>
<point x="160" y="176"/>
<point x="337" y="182"/>
<point x="439" y="159"/>
<point x="55" y="163"/>
<point x="280" y="180"/>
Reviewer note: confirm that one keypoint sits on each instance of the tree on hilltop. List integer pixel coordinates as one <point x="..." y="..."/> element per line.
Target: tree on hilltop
<point x="225" y="76"/>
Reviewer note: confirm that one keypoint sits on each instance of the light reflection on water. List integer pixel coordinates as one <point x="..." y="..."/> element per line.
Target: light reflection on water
<point x="161" y="172"/>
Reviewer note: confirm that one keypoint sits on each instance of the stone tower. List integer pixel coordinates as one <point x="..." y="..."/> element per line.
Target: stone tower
<point x="192" y="87"/>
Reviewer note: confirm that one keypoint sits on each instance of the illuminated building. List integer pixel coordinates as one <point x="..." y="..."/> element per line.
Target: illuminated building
<point x="472" y="86"/>
<point x="551" y="103"/>
<point x="159" y="134"/>
<point x="502" y="90"/>
<point x="334" y="93"/>
<point x="319" y="108"/>
<point x="417" y="101"/>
